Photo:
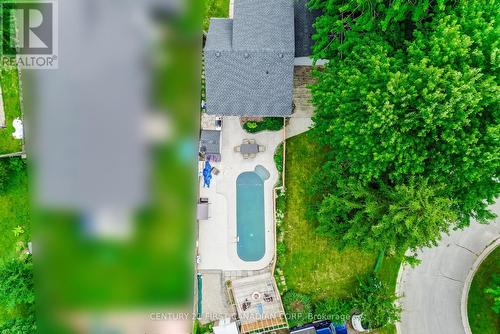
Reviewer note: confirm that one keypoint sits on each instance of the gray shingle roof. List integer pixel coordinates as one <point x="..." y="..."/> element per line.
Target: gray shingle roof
<point x="304" y="19"/>
<point x="221" y="35"/>
<point x="210" y="141"/>
<point x="263" y="25"/>
<point x="251" y="74"/>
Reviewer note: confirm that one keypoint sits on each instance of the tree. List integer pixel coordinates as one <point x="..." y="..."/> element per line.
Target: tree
<point x="377" y="216"/>
<point x="343" y="22"/>
<point x="16" y="283"/>
<point x="373" y="299"/>
<point x="396" y="112"/>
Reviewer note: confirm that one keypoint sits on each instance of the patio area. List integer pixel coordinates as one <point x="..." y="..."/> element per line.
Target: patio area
<point x="217" y="241"/>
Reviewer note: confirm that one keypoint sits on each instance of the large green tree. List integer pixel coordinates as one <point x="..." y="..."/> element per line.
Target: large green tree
<point x="381" y="217"/>
<point x="344" y="21"/>
<point x="407" y="118"/>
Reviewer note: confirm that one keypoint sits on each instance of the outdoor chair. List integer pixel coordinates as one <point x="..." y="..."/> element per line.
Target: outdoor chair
<point x="246" y="155"/>
<point x="251" y="141"/>
<point x="252" y="155"/>
<point x="237" y="148"/>
<point x="262" y="148"/>
<point x="246" y="141"/>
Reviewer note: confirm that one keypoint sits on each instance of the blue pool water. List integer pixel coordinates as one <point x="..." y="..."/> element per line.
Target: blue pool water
<point x="250" y="216"/>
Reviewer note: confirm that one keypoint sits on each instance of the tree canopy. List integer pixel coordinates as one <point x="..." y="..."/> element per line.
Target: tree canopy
<point x="17" y="295"/>
<point x="408" y="107"/>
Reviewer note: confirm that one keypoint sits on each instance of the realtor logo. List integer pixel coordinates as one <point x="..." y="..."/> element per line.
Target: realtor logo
<point x="29" y="33"/>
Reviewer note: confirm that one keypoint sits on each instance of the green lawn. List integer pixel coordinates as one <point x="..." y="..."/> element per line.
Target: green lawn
<point x="482" y="319"/>
<point x="9" y="82"/>
<point x="312" y="265"/>
<point x="215" y="8"/>
<point x="14" y="211"/>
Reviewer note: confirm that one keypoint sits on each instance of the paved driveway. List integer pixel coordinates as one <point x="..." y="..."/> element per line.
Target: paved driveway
<point x="432" y="291"/>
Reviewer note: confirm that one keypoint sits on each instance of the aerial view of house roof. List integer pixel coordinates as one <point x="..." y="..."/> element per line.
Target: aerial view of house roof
<point x="249" y="60"/>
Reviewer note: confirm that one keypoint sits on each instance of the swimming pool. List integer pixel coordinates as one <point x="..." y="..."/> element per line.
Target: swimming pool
<point x="250" y="216"/>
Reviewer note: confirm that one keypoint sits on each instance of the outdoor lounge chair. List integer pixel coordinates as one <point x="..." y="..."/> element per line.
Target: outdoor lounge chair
<point x="246" y="156"/>
<point x="251" y="141"/>
<point x="246" y="141"/>
<point x="262" y="148"/>
<point x="237" y="148"/>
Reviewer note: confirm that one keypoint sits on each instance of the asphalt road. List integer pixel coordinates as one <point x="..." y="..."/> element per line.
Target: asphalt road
<point x="432" y="292"/>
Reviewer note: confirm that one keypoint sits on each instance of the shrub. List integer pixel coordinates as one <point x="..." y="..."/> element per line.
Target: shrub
<point x="16" y="283"/>
<point x="281" y="249"/>
<point x="272" y="123"/>
<point x="19" y="325"/>
<point x="9" y="167"/>
<point x="203" y="329"/>
<point x="267" y="123"/>
<point x="298" y="308"/>
<point x="280" y="206"/>
<point x="251" y="125"/>
<point x="278" y="158"/>
<point x="376" y="302"/>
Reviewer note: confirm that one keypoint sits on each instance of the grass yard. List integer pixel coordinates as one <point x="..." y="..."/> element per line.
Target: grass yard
<point x="312" y="265"/>
<point x="215" y="8"/>
<point x="482" y="319"/>
<point x="14" y="210"/>
<point x="9" y="82"/>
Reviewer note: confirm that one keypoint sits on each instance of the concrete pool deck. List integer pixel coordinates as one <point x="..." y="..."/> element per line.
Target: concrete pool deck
<point x="217" y="235"/>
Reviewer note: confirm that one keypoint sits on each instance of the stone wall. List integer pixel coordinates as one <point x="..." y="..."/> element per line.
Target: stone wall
<point x="301" y="94"/>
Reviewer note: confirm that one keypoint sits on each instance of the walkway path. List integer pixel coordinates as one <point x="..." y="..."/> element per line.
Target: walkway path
<point x="300" y="121"/>
<point x="432" y="291"/>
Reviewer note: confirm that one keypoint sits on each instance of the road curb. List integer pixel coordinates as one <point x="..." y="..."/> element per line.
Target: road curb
<point x="465" y="292"/>
<point x="399" y="279"/>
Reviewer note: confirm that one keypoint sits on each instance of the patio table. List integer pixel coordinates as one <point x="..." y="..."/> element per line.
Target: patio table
<point x="249" y="148"/>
